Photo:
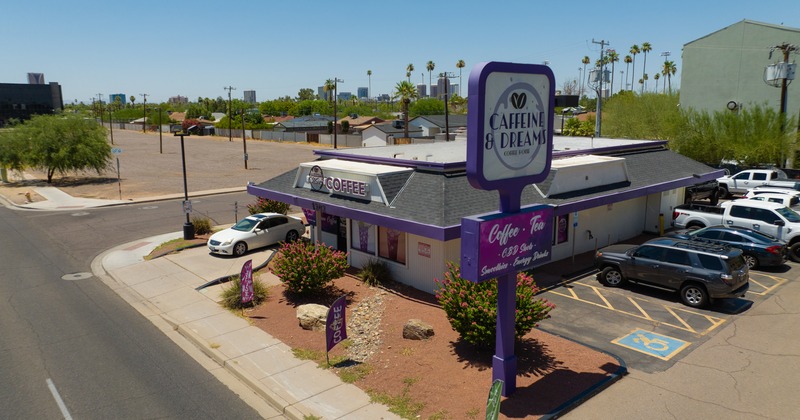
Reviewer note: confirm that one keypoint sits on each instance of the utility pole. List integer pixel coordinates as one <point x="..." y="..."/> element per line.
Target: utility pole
<point x="335" y="100"/>
<point x="666" y="55"/>
<point x="144" y="106"/>
<point x="100" y="107"/>
<point x="598" y="124"/>
<point x="230" y="112"/>
<point x="783" y="71"/>
<point x="446" y="76"/>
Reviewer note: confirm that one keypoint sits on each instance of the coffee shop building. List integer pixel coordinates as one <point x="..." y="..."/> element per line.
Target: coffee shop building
<point x="404" y="204"/>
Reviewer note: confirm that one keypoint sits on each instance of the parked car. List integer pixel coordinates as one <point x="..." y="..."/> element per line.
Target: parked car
<point x="704" y="190"/>
<point x="774" y="219"/>
<point x="256" y="231"/>
<point x="771" y="190"/>
<point x="788" y="200"/>
<point x="699" y="271"/>
<point x="751" y="178"/>
<point x="759" y="250"/>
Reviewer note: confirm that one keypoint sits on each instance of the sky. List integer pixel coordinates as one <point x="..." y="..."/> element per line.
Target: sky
<point x="197" y="48"/>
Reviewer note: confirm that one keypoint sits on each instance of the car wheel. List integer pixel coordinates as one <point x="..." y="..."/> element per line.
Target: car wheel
<point x="714" y="199"/>
<point x="723" y="191"/>
<point x="794" y="252"/>
<point x="239" y="249"/>
<point x="752" y="261"/>
<point x="292" y="236"/>
<point x="694" y="295"/>
<point x="611" y="276"/>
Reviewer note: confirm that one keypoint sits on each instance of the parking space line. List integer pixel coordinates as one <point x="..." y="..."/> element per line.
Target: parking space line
<point x="767" y="289"/>
<point x="645" y="314"/>
<point x="688" y="327"/>
<point x="637" y="302"/>
<point x="603" y="298"/>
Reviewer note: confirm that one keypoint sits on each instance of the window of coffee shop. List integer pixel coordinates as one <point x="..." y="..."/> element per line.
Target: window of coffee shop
<point x="392" y="244"/>
<point x="362" y="237"/>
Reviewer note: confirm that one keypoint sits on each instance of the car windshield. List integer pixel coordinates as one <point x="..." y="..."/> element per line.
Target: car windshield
<point x="789" y="214"/>
<point x="245" y="225"/>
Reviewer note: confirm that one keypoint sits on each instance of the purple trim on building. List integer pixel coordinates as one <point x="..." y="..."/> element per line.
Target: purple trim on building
<point x="448" y="233"/>
<point x="634" y="193"/>
<point x="416" y="228"/>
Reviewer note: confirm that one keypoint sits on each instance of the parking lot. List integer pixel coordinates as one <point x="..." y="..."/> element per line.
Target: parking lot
<point x="649" y="328"/>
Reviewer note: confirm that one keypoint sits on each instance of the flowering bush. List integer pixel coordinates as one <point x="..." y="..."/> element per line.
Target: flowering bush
<point x="471" y="307"/>
<point x="265" y="205"/>
<point x="305" y="269"/>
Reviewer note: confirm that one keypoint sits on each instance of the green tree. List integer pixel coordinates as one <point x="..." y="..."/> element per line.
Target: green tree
<point x="647" y="116"/>
<point x="669" y="70"/>
<point x="305" y="94"/>
<point x="586" y="60"/>
<point x="427" y="106"/>
<point x="61" y="144"/>
<point x="430" y="66"/>
<point x="646" y="48"/>
<point x="634" y="50"/>
<point x="369" y="86"/>
<point x="409" y="70"/>
<point x="656" y="77"/>
<point x="628" y="60"/>
<point x="405" y="91"/>
<point x="613" y="57"/>
<point x="329" y="87"/>
<point x="460" y="65"/>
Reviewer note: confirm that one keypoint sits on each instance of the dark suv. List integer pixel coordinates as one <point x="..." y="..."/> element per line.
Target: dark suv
<point x="698" y="271"/>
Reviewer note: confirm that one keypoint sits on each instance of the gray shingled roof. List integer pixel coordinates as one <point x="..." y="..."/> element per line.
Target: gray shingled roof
<point x="442" y="199"/>
<point x="453" y="120"/>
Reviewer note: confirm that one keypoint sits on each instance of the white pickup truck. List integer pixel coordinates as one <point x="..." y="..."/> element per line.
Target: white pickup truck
<point x="752" y="178"/>
<point x="767" y="217"/>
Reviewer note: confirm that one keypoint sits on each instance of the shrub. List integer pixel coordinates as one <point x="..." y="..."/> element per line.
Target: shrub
<point x="232" y="296"/>
<point x="471" y="307"/>
<point x="375" y="272"/>
<point x="306" y="269"/>
<point x="202" y="225"/>
<point x="265" y="205"/>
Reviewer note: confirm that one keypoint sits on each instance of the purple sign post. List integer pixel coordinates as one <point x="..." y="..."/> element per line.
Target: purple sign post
<point x="335" y="327"/>
<point x="246" y="282"/>
<point x="509" y="146"/>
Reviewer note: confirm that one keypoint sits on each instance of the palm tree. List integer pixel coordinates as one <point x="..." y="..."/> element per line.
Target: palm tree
<point x="627" y="61"/>
<point x="369" y="86"/>
<point x="430" y="66"/>
<point x="634" y="50"/>
<point x="646" y="48"/>
<point x="613" y="57"/>
<point x="585" y="61"/>
<point x="459" y="65"/>
<point x="328" y="87"/>
<point x="406" y="91"/>
<point x="669" y="70"/>
<point x="409" y="70"/>
<point x="656" y="77"/>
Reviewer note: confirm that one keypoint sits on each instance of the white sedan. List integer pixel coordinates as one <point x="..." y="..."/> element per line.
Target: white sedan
<point x="256" y="231"/>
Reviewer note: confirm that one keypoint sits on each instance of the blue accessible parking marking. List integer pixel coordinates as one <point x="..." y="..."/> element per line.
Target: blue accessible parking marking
<point x="652" y="344"/>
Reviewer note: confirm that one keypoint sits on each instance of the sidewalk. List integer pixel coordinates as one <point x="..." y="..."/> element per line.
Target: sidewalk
<point x="166" y="288"/>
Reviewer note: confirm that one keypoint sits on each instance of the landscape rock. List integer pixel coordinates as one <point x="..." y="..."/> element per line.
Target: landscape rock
<point x="312" y="316"/>
<point x="416" y="329"/>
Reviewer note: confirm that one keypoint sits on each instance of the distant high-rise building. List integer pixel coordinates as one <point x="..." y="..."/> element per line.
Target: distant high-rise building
<point x="441" y="88"/>
<point x="21" y="101"/>
<point x="435" y="91"/>
<point x="363" y="93"/>
<point x="250" y="96"/>
<point x="178" y="100"/>
<point x="35" y="78"/>
<point x="453" y="90"/>
<point x="384" y="97"/>
<point x="322" y="93"/>
<point x="343" y="96"/>
<point x="422" y="90"/>
<point x="117" y="99"/>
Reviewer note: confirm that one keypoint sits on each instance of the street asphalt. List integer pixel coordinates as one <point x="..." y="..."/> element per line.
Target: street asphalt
<point x="747" y="370"/>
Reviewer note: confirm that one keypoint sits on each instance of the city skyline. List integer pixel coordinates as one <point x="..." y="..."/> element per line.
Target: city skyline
<point x="165" y="50"/>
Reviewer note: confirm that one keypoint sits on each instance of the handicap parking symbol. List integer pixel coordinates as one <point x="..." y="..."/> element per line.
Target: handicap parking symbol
<point x="652" y="344"/>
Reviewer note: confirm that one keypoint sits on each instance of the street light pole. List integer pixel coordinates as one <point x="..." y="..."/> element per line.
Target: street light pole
<point x="188" y="227"/>
<point x="144" y="107"/>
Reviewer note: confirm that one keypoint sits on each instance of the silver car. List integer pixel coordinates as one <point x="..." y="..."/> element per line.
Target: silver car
<point x="256" y="231"/>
